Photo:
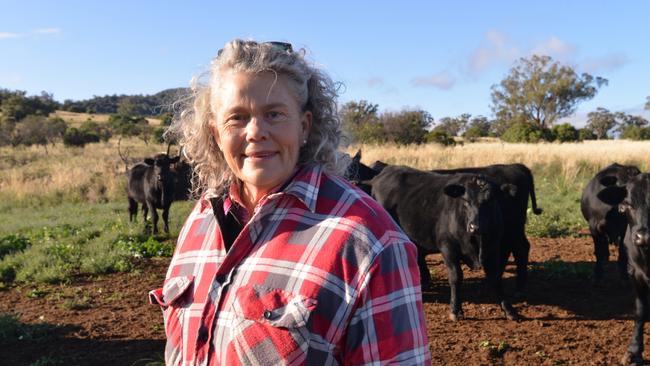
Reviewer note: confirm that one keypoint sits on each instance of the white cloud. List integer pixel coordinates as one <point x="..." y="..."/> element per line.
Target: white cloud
<point x="7" y="35"/>
<point x="442" y="80"/>
<point x="375" y="82"/>
<point x="554" y="47"/>
<point x="47" y="31"/>
<point x="605" y="63"/>
<point x="496" y="48"/>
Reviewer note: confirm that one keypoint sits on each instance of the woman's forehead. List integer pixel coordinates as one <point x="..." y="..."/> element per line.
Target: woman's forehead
<point x="237" y="87"/>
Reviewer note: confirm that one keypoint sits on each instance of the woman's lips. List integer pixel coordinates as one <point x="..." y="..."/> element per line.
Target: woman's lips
<point x="259" y="156"/>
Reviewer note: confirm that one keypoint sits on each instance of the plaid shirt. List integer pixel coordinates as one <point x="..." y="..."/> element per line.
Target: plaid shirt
<point x="320" y="275"/>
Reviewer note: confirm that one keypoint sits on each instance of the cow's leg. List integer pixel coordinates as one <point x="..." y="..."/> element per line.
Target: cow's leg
<point x="455" y="274"/>
<point x="634" y="354"/>
<point x="165" y="217"/>
<point x="520" y="251"/>
<point x="133" y="209"/>
<point x="425" y="275"/>
<point x="601" y="250"/>
<point x="154" y="218"/>
<point x="622" y="260"/>
<point x="494" y="273"/>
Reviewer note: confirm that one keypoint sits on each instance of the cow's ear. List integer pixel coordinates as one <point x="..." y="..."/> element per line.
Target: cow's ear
<point x="454" y="190"/>
<point x="357" y="157"/>
<point x="509" y="189"/>
<point x="149" y="161"/>
<point x="612" y="195"/>
<point x="608" y="181"/>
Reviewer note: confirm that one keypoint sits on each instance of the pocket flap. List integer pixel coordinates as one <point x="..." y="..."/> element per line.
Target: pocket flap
<point x="172" y="289"/>
<point x="273" y="306"/>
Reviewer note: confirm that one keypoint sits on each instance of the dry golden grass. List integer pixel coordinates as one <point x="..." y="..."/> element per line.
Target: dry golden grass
<point x="96" y="172"/>
<point x="76" y="119"/>
<point x="571" y="156"/>
<point x="93" y="173"/>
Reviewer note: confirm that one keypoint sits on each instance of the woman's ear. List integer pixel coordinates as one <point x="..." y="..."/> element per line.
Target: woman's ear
<point x="306" y="125"/>
<point x="212" y="125"/>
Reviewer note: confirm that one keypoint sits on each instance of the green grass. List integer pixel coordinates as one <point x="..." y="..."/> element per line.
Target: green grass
<point x="559" y="197"/>
<point x="556" y="268"/>
<point x="53" y="243"/>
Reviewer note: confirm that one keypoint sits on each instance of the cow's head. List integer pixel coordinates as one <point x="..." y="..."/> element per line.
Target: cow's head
<point x="620" y="175"/>
<point x="479" y="211"/>
<point x="161" y="164"/>
<point x="632" y="200"/>
<point x="359" y="174"/>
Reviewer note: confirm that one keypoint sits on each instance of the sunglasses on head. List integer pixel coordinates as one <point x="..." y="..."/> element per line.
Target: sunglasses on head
<point x="284" y="46"/>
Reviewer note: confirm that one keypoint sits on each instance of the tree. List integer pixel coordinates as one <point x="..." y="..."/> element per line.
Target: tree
<point x="360" y="121"/>
<point x="626" y="121"/>
<point x="453" y="126"/>
<point x="406" y="127"/>
<point x="525" y="132"/>
<point x="565" y="132"/>
<point x="479" y="126"/>
<point x="540" y="91"/>
<point x="647" y="103"/>
<point x="600" y="122"/>
<point x="17" y="105"/>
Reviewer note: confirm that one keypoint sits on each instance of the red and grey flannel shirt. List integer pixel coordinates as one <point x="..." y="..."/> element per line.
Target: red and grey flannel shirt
<point x="320" y="275"/>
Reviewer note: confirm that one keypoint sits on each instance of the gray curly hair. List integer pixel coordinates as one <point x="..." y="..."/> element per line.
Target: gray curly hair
<point x="314" y="91"/>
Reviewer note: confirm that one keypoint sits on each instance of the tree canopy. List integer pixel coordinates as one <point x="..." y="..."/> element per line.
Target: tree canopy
<point x="540" y="91"/>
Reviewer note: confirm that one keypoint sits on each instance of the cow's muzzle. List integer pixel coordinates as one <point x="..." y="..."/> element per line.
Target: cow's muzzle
<point x="641" y="237"/>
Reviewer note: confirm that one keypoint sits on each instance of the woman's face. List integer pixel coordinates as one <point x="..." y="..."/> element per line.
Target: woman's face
<point x="259" y="127"/>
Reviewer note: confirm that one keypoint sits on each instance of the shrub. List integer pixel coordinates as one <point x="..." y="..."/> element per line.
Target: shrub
<point x="13" y="243"/>
<point x="75" y="137"/>
<point x="636" y="133"/>
<point x="440" y="137"/>
<point x="565" y="132"/>
<point x="586" y="134"/>
<point x="525" y="132"/>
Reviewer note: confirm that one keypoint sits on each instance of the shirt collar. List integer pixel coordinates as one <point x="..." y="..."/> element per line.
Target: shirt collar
<point x="305" y="185"/>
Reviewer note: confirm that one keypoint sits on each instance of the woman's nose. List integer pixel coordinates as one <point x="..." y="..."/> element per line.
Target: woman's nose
<point x="256" y="129"/>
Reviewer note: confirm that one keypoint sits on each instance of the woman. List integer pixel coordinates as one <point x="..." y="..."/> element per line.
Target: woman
<point x="282" y="261"/>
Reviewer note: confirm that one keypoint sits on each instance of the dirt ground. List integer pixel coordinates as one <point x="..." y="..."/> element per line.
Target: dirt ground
<point x="567" y="320"/>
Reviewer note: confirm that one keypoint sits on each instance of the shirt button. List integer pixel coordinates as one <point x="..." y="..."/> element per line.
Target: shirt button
<point x="267" y="314"/>
<point x="203" y="334"/>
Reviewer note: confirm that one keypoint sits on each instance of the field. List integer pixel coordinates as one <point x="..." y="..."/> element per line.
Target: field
<point x="74" y="271"/>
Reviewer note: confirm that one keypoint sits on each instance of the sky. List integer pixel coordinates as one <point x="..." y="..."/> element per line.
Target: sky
<point x="440" y="56"/>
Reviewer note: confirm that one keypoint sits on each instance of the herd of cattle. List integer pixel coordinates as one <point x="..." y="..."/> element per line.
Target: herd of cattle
<point x="475" y="216"/>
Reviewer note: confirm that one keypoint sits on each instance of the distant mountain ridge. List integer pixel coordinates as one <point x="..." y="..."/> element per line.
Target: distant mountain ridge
<point x="142" y="105"/>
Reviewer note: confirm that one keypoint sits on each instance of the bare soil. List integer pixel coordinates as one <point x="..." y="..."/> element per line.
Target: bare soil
<point x="567" y="319"/>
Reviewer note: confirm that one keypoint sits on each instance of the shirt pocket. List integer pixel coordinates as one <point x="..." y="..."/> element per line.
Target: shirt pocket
<point x="270" y="326"/>
<point x="173" y="298"/>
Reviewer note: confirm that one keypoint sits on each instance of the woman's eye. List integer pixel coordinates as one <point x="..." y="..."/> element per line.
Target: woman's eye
<point x="274" y="115"/>
<point x="236" y="118"/>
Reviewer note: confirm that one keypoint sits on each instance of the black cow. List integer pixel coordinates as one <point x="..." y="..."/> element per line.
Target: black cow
<point x="606" y="224"/>
<point x="151" y="183"/>
<point x="513" y="209"/>
<point x="633" y="201"/>
<point x="457" y="215"/>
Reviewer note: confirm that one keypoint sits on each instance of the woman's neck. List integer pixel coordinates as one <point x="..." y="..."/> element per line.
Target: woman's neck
<point x="250" y="196"/>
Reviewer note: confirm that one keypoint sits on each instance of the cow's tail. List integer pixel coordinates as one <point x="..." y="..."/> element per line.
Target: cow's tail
<point x="533" y="199"/>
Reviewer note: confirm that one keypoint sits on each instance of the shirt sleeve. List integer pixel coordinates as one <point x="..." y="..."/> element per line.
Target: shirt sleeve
<point x="387" y="326"/>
